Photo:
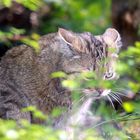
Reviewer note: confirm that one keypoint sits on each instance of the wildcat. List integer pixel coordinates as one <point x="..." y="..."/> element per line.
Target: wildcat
<point x="25" y="76"/>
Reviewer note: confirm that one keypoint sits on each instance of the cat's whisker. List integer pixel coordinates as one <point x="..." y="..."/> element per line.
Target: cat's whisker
<point x="116" y="98"/>
<point x="119" y="89"/>
<point x="116" y="95"/>
<point x="121" y="94"/>
<point x="76" y="102"/>
<point x="110" y="101"/>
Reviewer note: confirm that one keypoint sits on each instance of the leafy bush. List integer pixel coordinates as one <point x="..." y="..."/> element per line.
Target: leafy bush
<point x="75" y="15"/>
<point x="9" y="130"/>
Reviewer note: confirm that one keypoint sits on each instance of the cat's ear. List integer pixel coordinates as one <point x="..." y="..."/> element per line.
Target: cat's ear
<point x="112" y="38"/>
<point x="74" y="40"/>
<point x="66" y="35"/>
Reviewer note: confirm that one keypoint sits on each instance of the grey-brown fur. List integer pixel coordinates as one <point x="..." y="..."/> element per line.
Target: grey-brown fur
<point x="25" y="75"/>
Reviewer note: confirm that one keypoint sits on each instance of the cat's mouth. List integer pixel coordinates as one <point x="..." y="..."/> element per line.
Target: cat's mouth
<point x="92" y="92"/>
<point x="97" y="92"/>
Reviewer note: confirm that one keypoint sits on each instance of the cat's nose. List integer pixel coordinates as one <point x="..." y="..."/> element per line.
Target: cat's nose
<point x="92" y="92"/>
<point x="99" y="90"/>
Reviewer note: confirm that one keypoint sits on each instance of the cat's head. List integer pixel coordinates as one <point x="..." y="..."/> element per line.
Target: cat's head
<point x="86" y="50"/>
<point x="81" y="46"/>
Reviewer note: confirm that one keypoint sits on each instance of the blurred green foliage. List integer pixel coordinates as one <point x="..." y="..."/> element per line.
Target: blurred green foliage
<point x="11" y="131"/>
<point x="80" y="15"/>
<point x="31" y="4"/>
<point x="87" y="15"/>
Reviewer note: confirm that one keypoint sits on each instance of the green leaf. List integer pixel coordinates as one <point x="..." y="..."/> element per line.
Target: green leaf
<point x="70" y="84"/>
<point x="137" y="44"/>
<point x="16" y="31"/>
<point x="7" y="3"/>
<point x="128" y="107"/>
<point x="88" y="74"/>
<point x="58" y="74"/>
<point x="58" y="111"/>
<point x="35" y="111"/>
<point x="32" y="43"/>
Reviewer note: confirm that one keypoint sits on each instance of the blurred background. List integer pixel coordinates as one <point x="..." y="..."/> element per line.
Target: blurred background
<point x="23" y="21"/>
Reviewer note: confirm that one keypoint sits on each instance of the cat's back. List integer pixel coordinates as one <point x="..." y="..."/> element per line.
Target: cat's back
<point x="15" y="66"/>
<point x="16" y="54"/>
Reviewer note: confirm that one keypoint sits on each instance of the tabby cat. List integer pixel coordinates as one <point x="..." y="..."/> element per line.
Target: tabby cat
<point x="25" y="76"/>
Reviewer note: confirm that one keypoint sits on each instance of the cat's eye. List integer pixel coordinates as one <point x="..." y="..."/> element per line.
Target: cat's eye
<point x="108" y="75"/>
<point x="76" y="57"/>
